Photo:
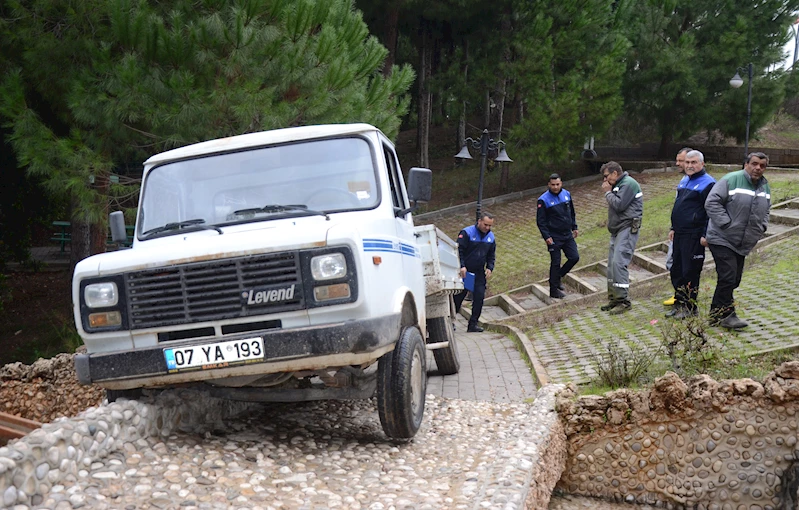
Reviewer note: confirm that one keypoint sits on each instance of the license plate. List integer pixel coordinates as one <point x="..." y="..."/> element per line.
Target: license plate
<point x="217" y="355"/>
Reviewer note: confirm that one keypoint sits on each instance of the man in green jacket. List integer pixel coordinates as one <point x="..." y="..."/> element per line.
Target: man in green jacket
<point x="625" y="210"/>
<point x="738" y="208"/>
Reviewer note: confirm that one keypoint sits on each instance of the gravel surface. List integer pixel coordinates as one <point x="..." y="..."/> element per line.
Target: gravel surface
<point x="328" y="454"/>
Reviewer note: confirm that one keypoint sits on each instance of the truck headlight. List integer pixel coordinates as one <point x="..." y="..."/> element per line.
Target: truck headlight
<point x="101" y="295"/>
<point x="329" y="266"/>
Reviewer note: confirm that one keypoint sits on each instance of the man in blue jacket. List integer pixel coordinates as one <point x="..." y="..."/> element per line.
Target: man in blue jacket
<point x="558" y="225"/>
<point x="477" y="250"/>
<point x="687" y="234"/>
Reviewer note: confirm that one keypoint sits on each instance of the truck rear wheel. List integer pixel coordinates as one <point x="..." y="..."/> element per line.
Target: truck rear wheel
<point x="440" y="330"/>
<point x="401" y="386"/>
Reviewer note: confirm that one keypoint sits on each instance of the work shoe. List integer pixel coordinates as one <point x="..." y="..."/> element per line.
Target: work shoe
<point x="610" y="306"/>
<point x="670" y="301"/>
<point x="732" y="322"/>
<point x="684" y="313"/>
<point x="621" y="307"/>
<point x="556" y="294"/>
<point x="474" y="329"/>
<point x="672" y="313"/>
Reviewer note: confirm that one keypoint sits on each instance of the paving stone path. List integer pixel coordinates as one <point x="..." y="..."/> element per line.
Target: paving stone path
<point x="491" y="369"/>
<point x="766" y="299"/>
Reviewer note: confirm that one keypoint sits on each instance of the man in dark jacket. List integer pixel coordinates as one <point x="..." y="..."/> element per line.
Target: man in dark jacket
<point x="687" y="234"/>
<point x="558" y="225"/>
<point x="738" y="208"/>
<point x="625" y="210"/>
<point x="477" y="250"/>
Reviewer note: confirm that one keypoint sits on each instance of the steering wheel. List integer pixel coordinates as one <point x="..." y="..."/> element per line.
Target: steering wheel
<point x="349" y="197"/>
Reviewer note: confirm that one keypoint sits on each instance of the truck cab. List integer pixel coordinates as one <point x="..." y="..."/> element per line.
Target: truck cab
<point x="274" y="266"/>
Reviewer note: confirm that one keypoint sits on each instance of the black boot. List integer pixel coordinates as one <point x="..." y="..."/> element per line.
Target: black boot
<point x="621" y="307"/>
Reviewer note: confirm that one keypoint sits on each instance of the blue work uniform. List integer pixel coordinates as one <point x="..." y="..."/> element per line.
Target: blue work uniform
<point x="477" y="252"/>
<point x="689" y="223"/>
<point x="556" y="219"/>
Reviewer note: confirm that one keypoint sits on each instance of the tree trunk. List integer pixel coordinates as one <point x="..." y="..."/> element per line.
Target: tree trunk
<point x="462" y="120"/>
<point x="99" y="230"/>
<point x="666" y="139"/>
<point x="81" y="244"/>
<point x="423" y="121"/>
<point x="487" y="110"/>
<point x="391" y="34"/>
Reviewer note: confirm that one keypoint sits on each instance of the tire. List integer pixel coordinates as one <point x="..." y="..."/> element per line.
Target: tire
<point x="113" y="395"/>
<point x="440" y="330"/>
<point x="401" y="386"/>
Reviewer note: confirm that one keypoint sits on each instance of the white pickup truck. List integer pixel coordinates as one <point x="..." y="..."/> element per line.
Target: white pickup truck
<point x="275" y="266"/>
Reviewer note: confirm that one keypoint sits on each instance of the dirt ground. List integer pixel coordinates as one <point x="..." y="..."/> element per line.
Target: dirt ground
<point x="37" y="319"/>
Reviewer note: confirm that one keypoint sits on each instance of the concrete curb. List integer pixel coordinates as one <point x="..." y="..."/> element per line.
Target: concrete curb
<point x="539" y="372"/>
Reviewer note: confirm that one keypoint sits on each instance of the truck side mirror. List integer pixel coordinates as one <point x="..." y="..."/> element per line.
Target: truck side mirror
<point x="116" y="220"/>
<point x="420" y="185"/>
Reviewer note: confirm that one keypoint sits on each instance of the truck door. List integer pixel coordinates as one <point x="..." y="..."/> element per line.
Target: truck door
<point x="411" y="259"/>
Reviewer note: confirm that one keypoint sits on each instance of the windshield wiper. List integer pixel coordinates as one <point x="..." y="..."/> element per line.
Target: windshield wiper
<point x="276" y="208"/>
<point x="178" y="225"/>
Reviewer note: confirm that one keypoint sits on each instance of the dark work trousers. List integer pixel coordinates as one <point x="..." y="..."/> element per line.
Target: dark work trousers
<point x="729" y="268"/>
<point x="478" y="294"/>
<point x="686" y="268"/>
<point x="620" y="253"/>
<point x="569" y="248"/>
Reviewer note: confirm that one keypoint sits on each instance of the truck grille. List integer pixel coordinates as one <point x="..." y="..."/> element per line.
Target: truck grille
<point x="214" y="290"/>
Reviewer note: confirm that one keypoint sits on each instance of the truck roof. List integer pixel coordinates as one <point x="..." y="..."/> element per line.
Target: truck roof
<point x="261" y="138"/>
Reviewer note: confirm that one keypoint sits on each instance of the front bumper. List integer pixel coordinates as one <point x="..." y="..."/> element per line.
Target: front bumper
<point x="308" y="348"/>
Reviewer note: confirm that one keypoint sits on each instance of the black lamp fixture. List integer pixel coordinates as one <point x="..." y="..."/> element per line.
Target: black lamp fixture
<point x="485" y="144"/>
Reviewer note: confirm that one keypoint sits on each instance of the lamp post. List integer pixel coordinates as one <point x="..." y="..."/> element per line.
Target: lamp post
<point x="735" y="83"/>
<point x="484" y="144"/>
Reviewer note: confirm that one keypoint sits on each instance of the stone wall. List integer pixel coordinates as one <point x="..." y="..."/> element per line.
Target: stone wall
<point x="729" y="445"/>
<point x="45" y="390"/>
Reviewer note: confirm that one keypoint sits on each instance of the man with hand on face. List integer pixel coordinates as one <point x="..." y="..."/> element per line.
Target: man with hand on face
<point x="687" y="234"/>
<point x="738" y="208"/>
<point x="477" y="251"/>
<point x="625" y="211"/>
<point x="558" y="225"/>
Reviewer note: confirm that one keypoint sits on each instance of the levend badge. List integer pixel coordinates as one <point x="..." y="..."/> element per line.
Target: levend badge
<point x="269" y="295"/>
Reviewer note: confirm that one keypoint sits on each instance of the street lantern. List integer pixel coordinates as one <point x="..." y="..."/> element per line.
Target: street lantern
<point x="735" y="83"/>
<point x="484" y="144"/>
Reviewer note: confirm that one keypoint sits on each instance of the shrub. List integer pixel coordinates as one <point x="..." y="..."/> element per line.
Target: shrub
<point x="621" y="364"/>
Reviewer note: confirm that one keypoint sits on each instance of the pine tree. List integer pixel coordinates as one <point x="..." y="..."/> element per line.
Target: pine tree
<point x="100" y="84"/>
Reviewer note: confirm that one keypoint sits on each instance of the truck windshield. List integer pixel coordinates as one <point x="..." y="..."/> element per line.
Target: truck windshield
<point x="299" y="179"/>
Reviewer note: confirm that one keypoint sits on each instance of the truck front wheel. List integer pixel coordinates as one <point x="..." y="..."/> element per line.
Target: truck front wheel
<point x="113" y="395"/>
<point x="401" y="386"/>
<point x="440" y="330"/>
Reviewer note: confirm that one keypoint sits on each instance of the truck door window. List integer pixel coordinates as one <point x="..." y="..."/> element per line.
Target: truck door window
<point x="397" y="198"/>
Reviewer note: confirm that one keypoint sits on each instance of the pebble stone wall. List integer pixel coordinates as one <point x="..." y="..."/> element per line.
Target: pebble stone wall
<point x="60" y="450"/>
<point x="729" y="445"/>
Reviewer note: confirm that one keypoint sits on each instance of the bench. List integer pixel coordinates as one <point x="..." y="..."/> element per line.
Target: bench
<point x="63" y="237"/>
